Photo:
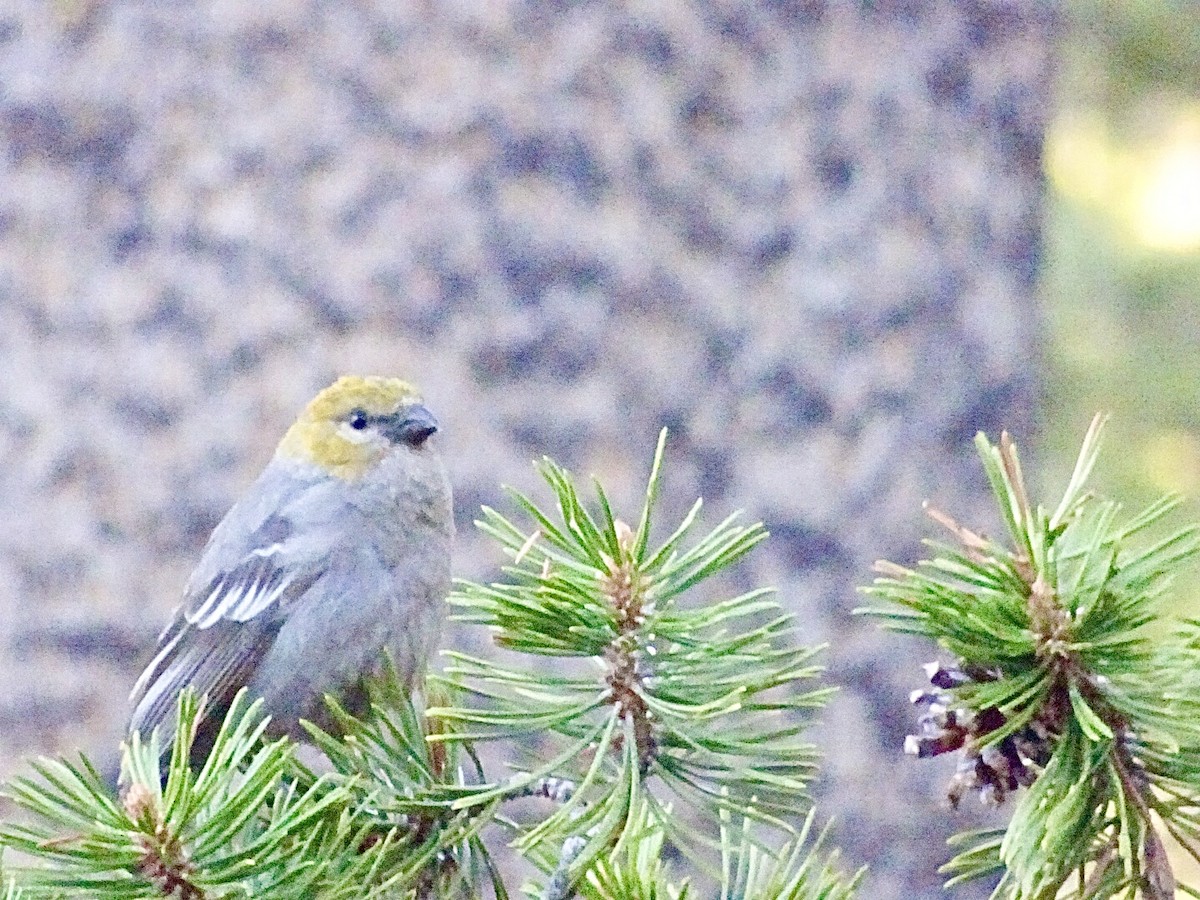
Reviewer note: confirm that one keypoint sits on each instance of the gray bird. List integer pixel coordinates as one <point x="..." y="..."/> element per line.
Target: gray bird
<point x="339" y="550"/>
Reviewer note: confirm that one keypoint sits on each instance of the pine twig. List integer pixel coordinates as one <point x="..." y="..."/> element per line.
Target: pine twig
<point x="1057" y="692"/>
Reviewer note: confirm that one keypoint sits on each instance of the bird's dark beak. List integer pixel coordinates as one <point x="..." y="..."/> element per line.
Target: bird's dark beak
<point x="412" y="425"/>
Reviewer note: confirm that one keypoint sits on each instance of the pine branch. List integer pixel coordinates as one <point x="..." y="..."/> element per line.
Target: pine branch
<point x="1059" y="686"/>
<point x="236" y="828"/>
<point x="695" y="702"/>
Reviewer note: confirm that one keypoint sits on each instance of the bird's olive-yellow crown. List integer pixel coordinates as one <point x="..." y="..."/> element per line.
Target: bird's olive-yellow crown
<point x="354" y="422"/>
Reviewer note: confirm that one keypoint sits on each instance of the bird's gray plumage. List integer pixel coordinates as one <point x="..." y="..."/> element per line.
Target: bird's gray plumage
<point x="301" y="587"/>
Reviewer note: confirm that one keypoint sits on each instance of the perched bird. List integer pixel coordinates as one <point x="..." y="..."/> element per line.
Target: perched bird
<point x="339" y="550"/>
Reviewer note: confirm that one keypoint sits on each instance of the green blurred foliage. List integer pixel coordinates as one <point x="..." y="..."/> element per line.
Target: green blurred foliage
<point x="1121" y="286"/>
<point x="1138" y="46"/>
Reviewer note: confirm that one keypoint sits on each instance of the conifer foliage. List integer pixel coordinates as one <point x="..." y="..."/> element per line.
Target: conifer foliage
<point x="645" y="717"/>
<point x="1064" y="680"/>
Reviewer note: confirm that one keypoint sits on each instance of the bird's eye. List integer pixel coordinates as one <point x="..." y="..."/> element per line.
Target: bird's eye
<point x="358" y="420"/>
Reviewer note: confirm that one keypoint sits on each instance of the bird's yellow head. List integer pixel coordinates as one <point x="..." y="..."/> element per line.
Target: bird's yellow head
<point x="355" y="422"/>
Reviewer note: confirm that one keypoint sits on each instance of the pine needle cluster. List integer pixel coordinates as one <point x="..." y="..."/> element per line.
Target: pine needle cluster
<point x="671" y="706"/>
<point x="1064" y="686"/>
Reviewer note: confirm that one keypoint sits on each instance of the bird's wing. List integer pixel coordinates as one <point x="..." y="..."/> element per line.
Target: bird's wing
<point x="229" y="618"/>
<point x="216" y="662"/>
<point x="241" y="593"/>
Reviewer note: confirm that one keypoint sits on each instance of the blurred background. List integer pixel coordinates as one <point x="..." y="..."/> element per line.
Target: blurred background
<point x="823" y="242"/>
<point x="1121" y="285"/>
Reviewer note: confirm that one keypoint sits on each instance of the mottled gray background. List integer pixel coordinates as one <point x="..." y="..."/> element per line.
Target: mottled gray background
<point x="804" y="235"/>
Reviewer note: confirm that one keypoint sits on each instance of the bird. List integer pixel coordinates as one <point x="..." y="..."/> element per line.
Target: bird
<point x="338" y="551"/>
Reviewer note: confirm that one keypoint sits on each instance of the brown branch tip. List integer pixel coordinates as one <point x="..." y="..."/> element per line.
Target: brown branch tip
<point x="624" y="590"/>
